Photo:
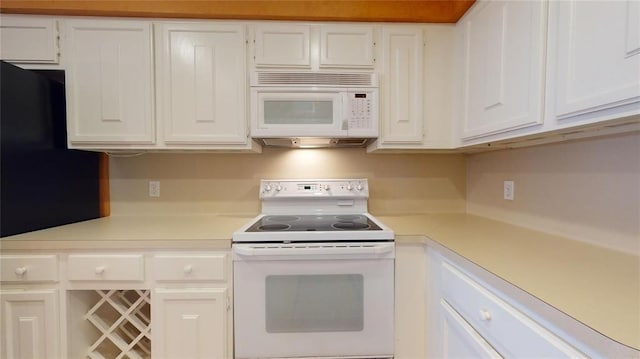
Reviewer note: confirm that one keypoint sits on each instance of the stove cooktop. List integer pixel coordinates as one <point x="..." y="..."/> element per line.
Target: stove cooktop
<point x="311" y="223"/>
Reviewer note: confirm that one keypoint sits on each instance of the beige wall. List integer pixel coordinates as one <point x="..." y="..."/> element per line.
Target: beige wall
<point x="228" y="183"/>
<point x="587" y="190"/>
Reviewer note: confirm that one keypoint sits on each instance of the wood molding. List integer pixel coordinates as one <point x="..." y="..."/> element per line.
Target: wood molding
<point x="423" y="11"/>
<point x="104" y="194"/>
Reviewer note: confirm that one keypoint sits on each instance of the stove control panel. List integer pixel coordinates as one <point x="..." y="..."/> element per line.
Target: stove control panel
<point x="343" y="188"/>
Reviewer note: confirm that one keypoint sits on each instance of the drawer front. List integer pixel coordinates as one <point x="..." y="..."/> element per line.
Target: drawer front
<point x="23" y="268"/>
<point x="509" y="331"/>
<point x="118" y="267"/>
<point x="206" y="267"/>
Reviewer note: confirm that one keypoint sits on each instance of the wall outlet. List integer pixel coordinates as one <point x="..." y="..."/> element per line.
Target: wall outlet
<point x="508" y="190"/>
<point x="154" y="188"/>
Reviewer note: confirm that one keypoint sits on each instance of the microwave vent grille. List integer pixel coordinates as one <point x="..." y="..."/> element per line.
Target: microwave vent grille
<point x="316" y="79"/>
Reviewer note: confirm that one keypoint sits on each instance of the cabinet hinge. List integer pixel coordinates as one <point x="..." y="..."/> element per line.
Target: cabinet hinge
<point x="228" y="303"/>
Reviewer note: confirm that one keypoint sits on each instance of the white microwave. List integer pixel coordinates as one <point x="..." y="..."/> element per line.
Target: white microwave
<point x="299" y="105"/>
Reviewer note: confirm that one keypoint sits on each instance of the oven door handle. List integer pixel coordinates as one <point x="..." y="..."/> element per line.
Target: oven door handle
<point x="301" y="251"/>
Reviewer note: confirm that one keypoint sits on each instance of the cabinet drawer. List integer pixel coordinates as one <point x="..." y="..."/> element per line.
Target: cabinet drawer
<point x="509" y="331"/>
<point x="19" y="268"/>
<point x="209" y="267"/>
<point x="106" y="267"/>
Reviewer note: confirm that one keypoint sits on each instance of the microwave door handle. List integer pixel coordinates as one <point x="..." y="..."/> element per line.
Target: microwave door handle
<point x="346" y="110"/>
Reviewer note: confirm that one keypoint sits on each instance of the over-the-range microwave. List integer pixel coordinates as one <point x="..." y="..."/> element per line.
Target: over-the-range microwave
<point x="314" y="105"/>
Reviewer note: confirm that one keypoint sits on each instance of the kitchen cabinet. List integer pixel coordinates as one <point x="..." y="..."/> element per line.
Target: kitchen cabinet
<point x="109" y="82"/>
<point x="29" y="39"/>
<point x="30" y="323"/>
<point x="594" y="61"/>
<point x="468" y="316"/>
<point x="401" y="85"/>
<point x="190" y="323"/>
<point x="313" y="47"/>
<point x="416" y="81"/>
<point x="106" y="303"/>
<point x="201" y="84"/>
<point x="502" y="69"/>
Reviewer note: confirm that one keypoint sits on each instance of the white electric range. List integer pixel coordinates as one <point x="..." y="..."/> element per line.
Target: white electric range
<point x="314" y="274"/>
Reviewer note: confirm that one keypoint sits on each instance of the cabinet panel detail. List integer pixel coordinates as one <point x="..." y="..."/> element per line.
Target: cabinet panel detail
<point x="29" y="324"/>
<point x="203" y="81"/>
<point x="190" y="323"/>
<point x="282" y="45"/>
<point x="346" y="46"/>
<point x="597" y="54"/>
<point x="28" y="40"/>
<point x="109" y="82"/>
<point x="401" y="87"/>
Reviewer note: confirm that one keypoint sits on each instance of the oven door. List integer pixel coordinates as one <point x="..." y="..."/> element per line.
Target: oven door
<point x="313" y="300"/>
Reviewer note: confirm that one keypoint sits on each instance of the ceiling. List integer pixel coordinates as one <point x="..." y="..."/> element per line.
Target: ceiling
<point x="434" y="11"/>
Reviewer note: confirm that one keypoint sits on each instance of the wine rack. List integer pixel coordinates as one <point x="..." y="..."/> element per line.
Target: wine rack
<point x="122" y="318"/>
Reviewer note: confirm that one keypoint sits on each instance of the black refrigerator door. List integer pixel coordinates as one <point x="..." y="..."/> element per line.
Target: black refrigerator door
<point x="42" y="183"/>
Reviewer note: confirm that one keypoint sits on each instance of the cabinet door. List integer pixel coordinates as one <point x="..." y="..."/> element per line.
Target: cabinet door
<point x="459" y="339"/>
<point x="503" y="66"/>
<point x="202" y="81"/>
<point x="401" y="85"/>
<point x="346" y="46"/>
<point x="595" y="52"/>
<point x="29" y="39"/>
<point x="189" y="323"/>
<point x="281" y="46"/>
<point x="109" y="82"/>
<point x="30" y="324"/>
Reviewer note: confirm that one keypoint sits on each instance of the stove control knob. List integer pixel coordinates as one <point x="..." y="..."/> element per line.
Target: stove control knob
<point x="267" y="188"/>
<point x="359" y="187"/>
<point x="349" y="187"/>
<point x="278" y="188"/>
<point x="326" y="187"/>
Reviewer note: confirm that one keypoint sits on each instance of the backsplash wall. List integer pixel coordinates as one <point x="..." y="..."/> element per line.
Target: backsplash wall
<point x="587" y="190"/>
<point x="228" y="183"/>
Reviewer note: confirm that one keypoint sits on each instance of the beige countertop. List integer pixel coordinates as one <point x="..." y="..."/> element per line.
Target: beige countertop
<point x="115" y="232"/>
<point x="596" y="286"/>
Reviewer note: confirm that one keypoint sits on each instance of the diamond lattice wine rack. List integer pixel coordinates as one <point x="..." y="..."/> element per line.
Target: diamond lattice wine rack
<point x="122" y="318"/>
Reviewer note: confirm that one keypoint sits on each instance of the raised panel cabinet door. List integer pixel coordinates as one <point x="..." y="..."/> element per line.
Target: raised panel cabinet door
<point x="202" y="81"/>
<point x="281" y="46"/>
<point x="596" y="56"/>
<point x="30" y="324"/>
<point x="346" y="46"/>
<point x="29" y="39"/>
<point x="189" y="323"/>
<point x="109" y="82"/>
<point x="459" y="339"/>
<point x="503" y="66"/>
<point x="401" y="85"/>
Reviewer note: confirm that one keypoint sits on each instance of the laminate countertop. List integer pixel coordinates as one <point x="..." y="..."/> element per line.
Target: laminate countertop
<point x="596" y="286"/>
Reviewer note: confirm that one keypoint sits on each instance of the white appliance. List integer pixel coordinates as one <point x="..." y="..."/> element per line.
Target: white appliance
<point x="314" y="274"/>
<point x="313" y="105"/>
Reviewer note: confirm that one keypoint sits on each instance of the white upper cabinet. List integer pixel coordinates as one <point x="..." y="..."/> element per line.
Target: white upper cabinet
<point x="594" y="53"/>
<point x="313" y="47"/>
<point x="401" y="85"/>
<point x="277" y="45"/>
<point x="502" y="45"/>
<point x="346" y="46"/>
<point x="201" y="83"/>
<point x="29" y="39"/>
<point x="109" y="82"/>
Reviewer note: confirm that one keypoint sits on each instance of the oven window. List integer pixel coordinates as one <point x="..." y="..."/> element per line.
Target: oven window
<point x="314" y="303"/>
<point x="278" y="112"/>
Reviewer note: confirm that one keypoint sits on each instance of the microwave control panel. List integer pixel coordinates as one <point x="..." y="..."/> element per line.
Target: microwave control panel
<point x="360" y="110"/>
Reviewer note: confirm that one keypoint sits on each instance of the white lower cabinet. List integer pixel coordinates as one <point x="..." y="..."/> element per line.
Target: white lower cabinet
<point x="467" y="317"/>
<point x="116" y="304"/>
<point x="30" y="324"/>
<point x="190" y="323"/>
